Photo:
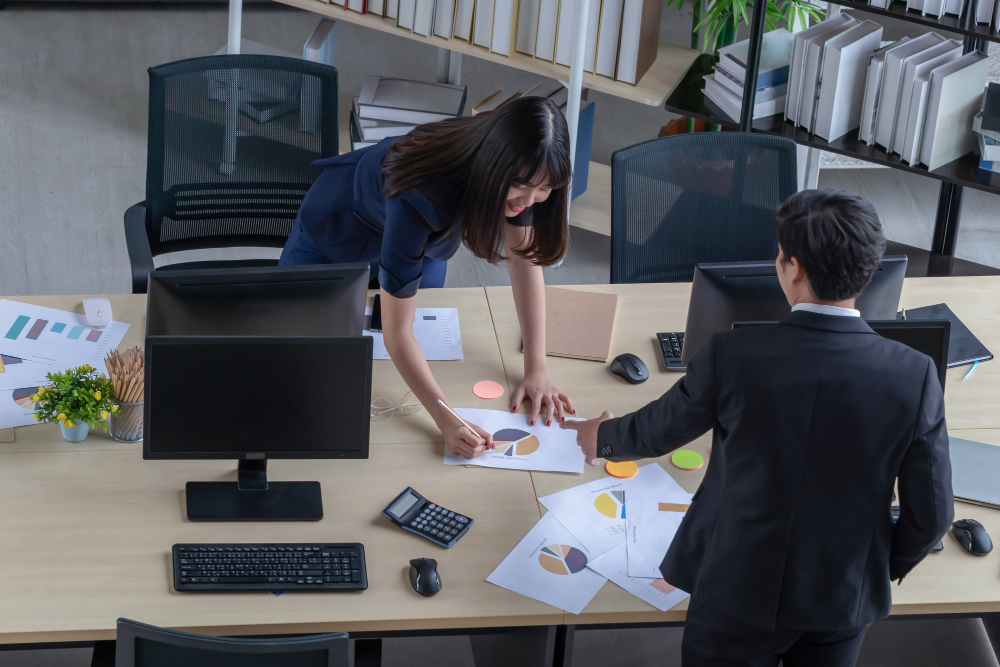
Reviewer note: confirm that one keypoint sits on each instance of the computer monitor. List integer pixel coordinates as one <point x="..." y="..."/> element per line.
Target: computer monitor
<point x="723" y="293"/>
<point x="255" y="398"/>
<point x="318" y="300"/>
<point x="931" y="337"/>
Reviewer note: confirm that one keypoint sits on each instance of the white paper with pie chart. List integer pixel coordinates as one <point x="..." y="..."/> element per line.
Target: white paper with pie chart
<point x="613" y="564"/>
<point x="520" y="446"/>
<point x="550" y="565"/>
<point x="596" y="512"/>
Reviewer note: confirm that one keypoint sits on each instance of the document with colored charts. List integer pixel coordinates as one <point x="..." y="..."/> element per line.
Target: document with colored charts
<point x="520" y="446"/>
<point x="657" y="592"/>
<point x="437" y="332"/>
<point x="595" y="512"/>
<point x="654" y="515"/>
<point x="550" y="566"/>
<point x="55" y="337"/>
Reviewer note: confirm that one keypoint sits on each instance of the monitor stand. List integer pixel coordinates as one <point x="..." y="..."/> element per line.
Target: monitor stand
<point x="253" y="498"/>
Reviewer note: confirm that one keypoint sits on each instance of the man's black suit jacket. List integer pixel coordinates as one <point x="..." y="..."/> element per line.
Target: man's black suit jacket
<point x="813" y="419"/>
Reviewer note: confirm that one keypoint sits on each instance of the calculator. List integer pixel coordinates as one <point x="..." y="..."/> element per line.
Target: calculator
<point x="411" y="511"/>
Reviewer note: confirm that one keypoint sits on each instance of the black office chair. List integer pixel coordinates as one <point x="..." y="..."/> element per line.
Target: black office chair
<point x="141" y="645"/>
<point x="231" y="142"/>
<point x="705" y="197"/>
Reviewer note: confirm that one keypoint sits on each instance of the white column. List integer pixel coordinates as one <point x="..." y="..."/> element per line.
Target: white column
<point x="576" y="79"/>
<point x="235" y="25"/>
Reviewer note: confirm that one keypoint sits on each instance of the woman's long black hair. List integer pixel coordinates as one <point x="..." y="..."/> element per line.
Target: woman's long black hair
<point x="479" y="158"/>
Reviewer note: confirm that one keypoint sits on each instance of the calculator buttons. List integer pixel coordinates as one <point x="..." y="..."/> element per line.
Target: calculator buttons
<point x="461" y="519"/>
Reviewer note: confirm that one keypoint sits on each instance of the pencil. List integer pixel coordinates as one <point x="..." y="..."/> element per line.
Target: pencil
<point x="464" y="423"/>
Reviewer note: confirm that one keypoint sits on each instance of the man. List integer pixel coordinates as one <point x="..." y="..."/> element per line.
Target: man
<point x="788" y="547"/>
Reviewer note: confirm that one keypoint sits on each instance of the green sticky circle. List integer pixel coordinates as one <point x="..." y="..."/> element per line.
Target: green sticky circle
<point x="687" y="459"/>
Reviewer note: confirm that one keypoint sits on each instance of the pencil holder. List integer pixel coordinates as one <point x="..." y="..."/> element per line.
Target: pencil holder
<point x="126" y="423"/>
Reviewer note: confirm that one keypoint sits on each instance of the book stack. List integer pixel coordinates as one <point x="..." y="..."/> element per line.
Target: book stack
<point x="986" y="125"/>
<point x="558" y="94"/>
<point x="724" y="86"/>
<point x="622" y="40"/>
<point x="391" y="107"/>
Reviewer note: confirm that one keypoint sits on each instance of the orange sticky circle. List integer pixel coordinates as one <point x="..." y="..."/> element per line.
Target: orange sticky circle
<point x="487" y="389"/>
<point x="623" y="469"/>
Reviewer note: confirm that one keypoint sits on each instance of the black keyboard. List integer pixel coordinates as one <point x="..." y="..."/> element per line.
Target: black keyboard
<point x="270" y="567"/>
<point x="671" y="346"/>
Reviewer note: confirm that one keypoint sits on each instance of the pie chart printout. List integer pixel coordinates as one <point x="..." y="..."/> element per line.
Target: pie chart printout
<point x="611" y="504"/>
<point x="23" y="397"/>
<point x="562" y="559"/>
<point x="512" y="441"/>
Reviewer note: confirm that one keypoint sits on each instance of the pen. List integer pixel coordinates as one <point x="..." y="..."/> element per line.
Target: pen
<point x="466" y="425"/>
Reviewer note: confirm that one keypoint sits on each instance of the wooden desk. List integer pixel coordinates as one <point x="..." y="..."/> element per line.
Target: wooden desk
<point x="87" y="538"/>
<point x="120" y="514"/>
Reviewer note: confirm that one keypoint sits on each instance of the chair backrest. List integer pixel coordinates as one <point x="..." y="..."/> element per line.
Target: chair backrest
<point x="704" y="197"/>
<point x="231" y="141"/>
<point x="141" y="645"/>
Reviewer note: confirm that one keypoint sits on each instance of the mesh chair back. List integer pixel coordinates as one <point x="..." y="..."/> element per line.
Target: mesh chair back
<point x="141" y="645"/>
<point x="707" y="197"/>
<point x="231" y="139"/>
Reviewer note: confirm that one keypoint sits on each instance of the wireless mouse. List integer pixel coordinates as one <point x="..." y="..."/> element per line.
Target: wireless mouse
<point x="630" y="368"/>
<point x="424" y="576"/>
<point x="972" y="536"/>
<point x="98" y="311"/>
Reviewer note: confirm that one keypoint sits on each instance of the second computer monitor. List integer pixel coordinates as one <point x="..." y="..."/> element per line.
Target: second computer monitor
<point x="318" y="300"/>
<point x="724" y="293"/>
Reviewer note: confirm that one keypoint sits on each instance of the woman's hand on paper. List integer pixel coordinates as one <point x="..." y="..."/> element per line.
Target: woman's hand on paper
<point x="586" y="435"/>
<point x="466" y="442"/>
<point x="543" y="395"/>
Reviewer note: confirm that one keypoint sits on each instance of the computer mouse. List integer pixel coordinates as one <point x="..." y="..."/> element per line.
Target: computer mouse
<point x="972" y="536"/>
<point x="424" y="576"/>
<point x="98" y="311"/>
<point x="630" y="368"/>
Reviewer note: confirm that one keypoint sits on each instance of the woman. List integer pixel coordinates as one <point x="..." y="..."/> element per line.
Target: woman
<point x="497" y="182"/>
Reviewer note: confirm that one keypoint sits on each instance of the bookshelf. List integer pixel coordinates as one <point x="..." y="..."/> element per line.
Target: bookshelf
<point x="688" y="99"/>
<point x="672" y="61"/>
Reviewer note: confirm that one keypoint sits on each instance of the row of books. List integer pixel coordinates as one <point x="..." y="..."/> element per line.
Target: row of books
<point x="986" y="11"/>
<point x="920" y="99"/>
<point x="725" y="85"/>
<point x="915" y="97"/>
<point x="622" y="39"/>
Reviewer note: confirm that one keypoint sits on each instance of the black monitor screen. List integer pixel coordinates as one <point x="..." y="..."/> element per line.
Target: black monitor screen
<point x="318" y="300"/>
<point x="932" y="337"/>
<point x="222" y="397"/>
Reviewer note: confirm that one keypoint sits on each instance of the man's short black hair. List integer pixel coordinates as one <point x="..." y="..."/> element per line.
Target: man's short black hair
<point x="836" y="237"/>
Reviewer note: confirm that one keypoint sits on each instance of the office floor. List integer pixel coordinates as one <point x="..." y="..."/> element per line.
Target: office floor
<point x="72" y="159"/>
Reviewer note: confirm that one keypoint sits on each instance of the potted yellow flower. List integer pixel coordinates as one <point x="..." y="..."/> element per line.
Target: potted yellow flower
<point x="79" y="399"/>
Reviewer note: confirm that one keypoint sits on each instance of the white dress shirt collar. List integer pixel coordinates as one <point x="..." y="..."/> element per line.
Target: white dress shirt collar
<point x="824" y="309"/>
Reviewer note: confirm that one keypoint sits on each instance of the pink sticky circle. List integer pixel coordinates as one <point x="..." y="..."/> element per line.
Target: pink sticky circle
<point x="487" y="389"/>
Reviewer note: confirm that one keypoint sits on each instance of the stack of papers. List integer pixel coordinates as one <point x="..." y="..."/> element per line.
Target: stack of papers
<point x="590" y="535"/>
<point x="35" y="340"/>
<point x="436" y="330"/>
